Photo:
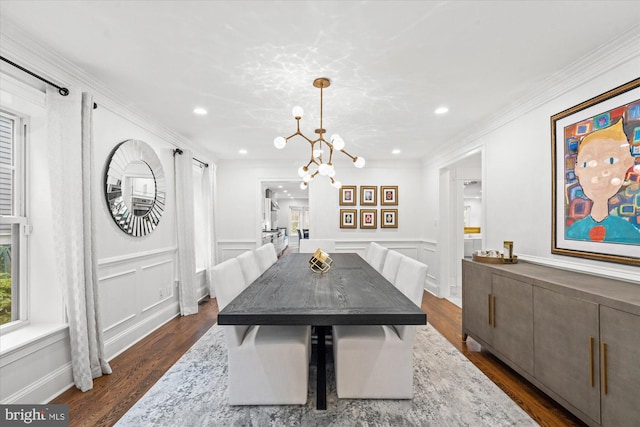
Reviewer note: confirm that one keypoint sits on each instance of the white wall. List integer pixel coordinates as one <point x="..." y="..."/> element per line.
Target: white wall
<point x="238" y="215"/>
<point x="519" y="208"/>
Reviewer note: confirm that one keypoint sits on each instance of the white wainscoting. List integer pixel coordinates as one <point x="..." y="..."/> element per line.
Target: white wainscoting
<point x="428" y="256"/>
<point x="138" y="294"/>
<point x="26" y="380"/>
<point x="228" y="249"/>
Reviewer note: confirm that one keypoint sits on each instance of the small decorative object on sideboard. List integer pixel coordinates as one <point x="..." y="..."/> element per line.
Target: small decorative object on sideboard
<point x="493" y="257"/>
<point x="508" y="251"/>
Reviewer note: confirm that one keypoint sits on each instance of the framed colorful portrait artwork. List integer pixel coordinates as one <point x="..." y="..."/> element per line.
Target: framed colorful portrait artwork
<point x="368" y="195"/>
<point x="388" y="218"/>
<point x="368" y="218"/>
<point x="348" y="195"/>
<point x="596" y="177"/>
<point x="348" y="218"/>
<point x="389" y="195"/>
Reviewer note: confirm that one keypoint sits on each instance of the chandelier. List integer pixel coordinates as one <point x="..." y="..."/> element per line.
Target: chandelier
<point x="317" y="164"/>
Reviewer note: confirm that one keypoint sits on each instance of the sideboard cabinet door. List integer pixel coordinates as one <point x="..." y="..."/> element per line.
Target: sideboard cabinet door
<point x="620" y="340"/>
<point x="476" y="295"/>
<point x="566" y="348"/>
<point x="512" y="302"/>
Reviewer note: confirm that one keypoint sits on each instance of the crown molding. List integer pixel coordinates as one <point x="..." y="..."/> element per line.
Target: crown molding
<point x="624" y="48"/>
<point x="34" y="55"/>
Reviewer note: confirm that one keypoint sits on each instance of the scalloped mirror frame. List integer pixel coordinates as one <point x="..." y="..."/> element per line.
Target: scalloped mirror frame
<point x="124" y="154"/>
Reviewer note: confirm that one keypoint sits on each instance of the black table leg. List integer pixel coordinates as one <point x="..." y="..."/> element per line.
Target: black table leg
<point x="321" y="386"/>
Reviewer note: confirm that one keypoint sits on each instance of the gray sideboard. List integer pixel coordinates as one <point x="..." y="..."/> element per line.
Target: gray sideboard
<point x="574" y="336"/>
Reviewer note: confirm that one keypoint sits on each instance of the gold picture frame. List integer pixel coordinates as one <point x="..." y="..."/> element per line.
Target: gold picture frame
<point x="348" y="218"/>
<point x="368" y="218"/>
<point x="389" y="195"/>
<point x="368" y="195"/>
<point x="612" y="237"/>
<point x="388" y="218"/>
<point x="348" y="195"/>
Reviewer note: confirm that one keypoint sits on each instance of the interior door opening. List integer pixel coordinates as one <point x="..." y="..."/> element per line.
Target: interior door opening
<point x="461" y="221"/>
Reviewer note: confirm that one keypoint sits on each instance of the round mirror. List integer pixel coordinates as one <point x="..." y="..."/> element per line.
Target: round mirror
<point x="135" y="187"/>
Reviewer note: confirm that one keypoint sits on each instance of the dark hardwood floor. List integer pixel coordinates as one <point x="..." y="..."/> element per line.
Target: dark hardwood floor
<point x="138" y="368"/>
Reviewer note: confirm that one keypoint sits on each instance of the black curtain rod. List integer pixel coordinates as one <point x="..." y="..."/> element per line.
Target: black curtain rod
<point x="179" y="151"/>
<point x="61" y="90"/>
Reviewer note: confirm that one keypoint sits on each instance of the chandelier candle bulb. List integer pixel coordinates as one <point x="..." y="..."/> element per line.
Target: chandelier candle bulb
<point x="323" y="166"/>
<point x="297" y="112"/>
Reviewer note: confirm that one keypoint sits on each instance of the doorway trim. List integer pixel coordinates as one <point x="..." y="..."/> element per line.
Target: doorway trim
<point x="451" y="213"/>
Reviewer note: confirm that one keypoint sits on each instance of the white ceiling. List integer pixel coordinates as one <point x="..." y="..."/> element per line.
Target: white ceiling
<point x="392" y="63"/>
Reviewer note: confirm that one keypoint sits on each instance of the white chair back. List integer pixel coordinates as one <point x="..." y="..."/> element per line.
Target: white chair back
<point x="249" y="266"/>
<point x="267" y="256"/>
<point x="369" y="252"/>
<point x="309" y="246"/>
<point x="391" y="264"/>
<point x="227" y="281"/>
<point x="376" y="255"/>
<point x="410" y="279"/>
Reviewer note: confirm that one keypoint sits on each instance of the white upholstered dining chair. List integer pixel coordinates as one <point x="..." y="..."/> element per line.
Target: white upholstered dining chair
<point x="266" y="256"/>
<point x="249" y="265"/>
<point x="391" y="264"/>
<point x="375" y="255"/>
<point x="267" y="365"/>
<point x="309" y="246"/>
<point x="376" y="361"/>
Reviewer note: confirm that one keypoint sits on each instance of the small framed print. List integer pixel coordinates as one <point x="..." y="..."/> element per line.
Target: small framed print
<point x="368" y="195"/>
<point x="389" y="218"/>
<point x="368" y="218"/>
<point x="389" y="195"/>
<point x="348" y="218"/>
<point x="348" y="195"/>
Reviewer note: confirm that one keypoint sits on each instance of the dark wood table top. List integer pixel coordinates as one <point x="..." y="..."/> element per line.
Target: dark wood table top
<point x="350" y="293"/>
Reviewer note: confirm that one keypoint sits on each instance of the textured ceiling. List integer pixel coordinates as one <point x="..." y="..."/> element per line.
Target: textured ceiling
<point x="391" y="63"/>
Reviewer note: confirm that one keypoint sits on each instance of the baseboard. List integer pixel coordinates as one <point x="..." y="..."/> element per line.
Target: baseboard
<point x="45" y="389"/>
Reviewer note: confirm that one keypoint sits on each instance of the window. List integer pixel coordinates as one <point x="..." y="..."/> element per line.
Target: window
<point x="13" y="242"/>
<point x="299" y="219"/>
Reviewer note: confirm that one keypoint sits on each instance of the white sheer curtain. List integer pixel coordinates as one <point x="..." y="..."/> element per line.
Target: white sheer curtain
<point x="69" y="127"/>
<point x="207" y="206"/>
<point x="186" y="233"/>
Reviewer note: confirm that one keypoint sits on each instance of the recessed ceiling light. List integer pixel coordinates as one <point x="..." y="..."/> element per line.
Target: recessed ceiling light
<point x="441" y="110"/>
<point x="200" y="111"/>
<point x="242" y="151"/>
<point x="396" y="151"/>
<point x="279" y="186"/>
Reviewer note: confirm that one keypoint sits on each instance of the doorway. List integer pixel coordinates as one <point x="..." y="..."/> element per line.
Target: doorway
<point x="461" y="220"/>
<point x="277" y="201"/>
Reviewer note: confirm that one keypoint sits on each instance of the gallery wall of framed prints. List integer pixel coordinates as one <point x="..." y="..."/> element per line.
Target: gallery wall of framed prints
<point x="368" y="214"/>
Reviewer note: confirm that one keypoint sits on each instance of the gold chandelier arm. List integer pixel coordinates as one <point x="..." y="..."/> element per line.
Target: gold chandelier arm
<point x="298" y="133"/>
<point x="287" y="138"/>
<point x="308" y="140"/>
<point x="349" y="155"/>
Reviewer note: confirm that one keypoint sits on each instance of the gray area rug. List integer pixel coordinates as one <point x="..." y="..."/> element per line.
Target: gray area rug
<point x="448" y="391"/>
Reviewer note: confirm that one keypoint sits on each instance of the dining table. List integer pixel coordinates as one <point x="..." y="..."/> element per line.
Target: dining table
<point x="351" y="292"/>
